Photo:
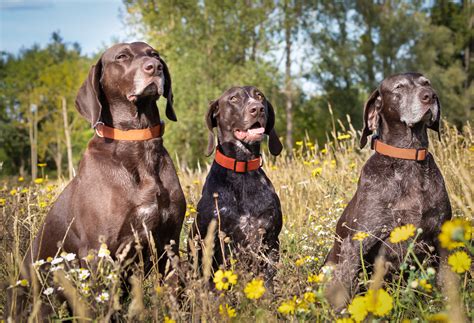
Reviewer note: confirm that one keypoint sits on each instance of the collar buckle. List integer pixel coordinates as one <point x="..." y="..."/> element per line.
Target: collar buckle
<point x="240" y="161"/>
<point x="417" y="152"/>
<point x="97" y="130"/>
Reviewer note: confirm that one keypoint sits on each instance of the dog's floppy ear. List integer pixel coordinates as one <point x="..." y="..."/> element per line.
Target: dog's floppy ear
<point x="435" y="125"/>
<point x="168" y="92"/>
<point x="274" y="144"/>
<point x="211" y="122"/>
<point x="88" y="97"/>
<point x="371" y="116"/>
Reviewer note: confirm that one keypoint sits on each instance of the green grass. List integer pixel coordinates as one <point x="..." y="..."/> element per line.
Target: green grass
<point x="314" y="187"/>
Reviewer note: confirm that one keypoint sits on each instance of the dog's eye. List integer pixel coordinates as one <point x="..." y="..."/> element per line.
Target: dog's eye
<point x="426" y="83"/>
<point x="259" y="96"/>
<point x="121" y="57"/>
<point x="155" y="55"/>
<point x="399" y="86"/>
<point x="234" y="99"/>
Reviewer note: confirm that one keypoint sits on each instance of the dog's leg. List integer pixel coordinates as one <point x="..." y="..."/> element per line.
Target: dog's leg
<point x="343" y="285"/>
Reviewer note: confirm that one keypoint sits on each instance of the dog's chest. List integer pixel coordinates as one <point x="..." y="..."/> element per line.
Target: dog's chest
<point x="417" y="194"/>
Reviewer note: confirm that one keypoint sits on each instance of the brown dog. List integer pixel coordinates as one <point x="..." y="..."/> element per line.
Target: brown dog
<point x="122" y="184"/>
<point x="400" y="184"/>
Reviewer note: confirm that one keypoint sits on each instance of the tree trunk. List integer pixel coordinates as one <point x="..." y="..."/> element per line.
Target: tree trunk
<point x="33" y="136"/>
<point x="467" y="60"/>
<point x="58" y="159"/>
<point x="288" y="87"/>
<point x="67" y="133"/>
<point x="22" y="166"/>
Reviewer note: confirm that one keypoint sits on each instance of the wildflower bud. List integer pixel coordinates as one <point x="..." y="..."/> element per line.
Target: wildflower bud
<point x="414" y="284"/>
<point x="419" y="230"/>
<point x="215" y="195"/>
<point x="431" y="271"/>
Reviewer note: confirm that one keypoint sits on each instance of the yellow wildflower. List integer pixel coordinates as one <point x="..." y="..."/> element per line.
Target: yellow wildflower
<point x="2" y="202"/>
<point x="13" y="192"/>
<point x="379" y="302"/>
<point x="21" y="179"/>
<point x="345" y="320"/>
<point x="169" y="320"/>
<point x="316" y="278"/>
<point x="402" y="233"/>
<point x="441" y="317"/>
<point x="228" y="311"/>
<point x="42" y="204"/>
<point x="254" y="289"/>
<point x="224" y="279"/>
<point x="344" y="137"/>
<point x="317" y="171"/>
<point x="459" y="262"/>
<point x="360" y="236"/>
<point x="324" y="151"/>
<point x="42" y="165"/>
<point x="288" y="307"/>
<point x="454" y="232"/>
<point x="24" y="191"/>
<point x="352" y="165"/>
<point x="22" y="282"/>
<point x="358" y="308"/>
<point x="39" y="180"/>
<point x="310" y="297"/>
<point x="299" y="143"/>
<point x="425" y="285"/>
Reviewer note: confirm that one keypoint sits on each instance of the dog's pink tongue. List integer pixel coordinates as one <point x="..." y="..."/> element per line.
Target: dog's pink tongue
<point x="249" y="135"/>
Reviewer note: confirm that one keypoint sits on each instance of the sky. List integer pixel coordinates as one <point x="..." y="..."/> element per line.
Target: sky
<point x="94" y="24"/>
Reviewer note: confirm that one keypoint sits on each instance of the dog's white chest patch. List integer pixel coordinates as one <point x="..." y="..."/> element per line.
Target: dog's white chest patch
<point x="146" y="211"/>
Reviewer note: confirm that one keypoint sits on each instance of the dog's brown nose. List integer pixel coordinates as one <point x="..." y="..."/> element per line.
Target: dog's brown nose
<point x="151" y="67"/>
<point x="427" y="96"/>
<point x="256" y="110"/>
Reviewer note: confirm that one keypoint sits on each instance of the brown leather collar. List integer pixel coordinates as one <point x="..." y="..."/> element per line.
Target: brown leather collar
<point x="402" y="153"/>
<point x="237" y="165"/>
<point x="135" y="134"/>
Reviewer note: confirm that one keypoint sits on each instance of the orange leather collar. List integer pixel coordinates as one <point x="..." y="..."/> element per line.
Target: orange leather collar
<point x="237" y="165"/>
<point x="402" y="153"/>
<point x="135" y="134"/>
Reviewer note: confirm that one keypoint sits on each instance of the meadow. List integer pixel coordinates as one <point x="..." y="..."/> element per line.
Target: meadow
<point x="314" y="184"/>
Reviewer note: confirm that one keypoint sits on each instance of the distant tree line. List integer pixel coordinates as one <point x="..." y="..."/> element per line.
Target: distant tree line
<point x="340" y="49"/>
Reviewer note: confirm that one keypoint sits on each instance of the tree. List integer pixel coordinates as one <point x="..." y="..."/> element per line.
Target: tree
<point x="209" y="46"/>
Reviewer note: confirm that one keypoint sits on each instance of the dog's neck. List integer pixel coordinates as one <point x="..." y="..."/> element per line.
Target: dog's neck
<point x="400" y="135"/>
<point x="238" y="150"/>
<point x="125" y="115"/>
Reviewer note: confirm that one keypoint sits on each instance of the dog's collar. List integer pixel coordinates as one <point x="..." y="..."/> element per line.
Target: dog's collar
<point x="104" y="131"/>
<point x="238" y="166"/>
<point x="402" y="153"/>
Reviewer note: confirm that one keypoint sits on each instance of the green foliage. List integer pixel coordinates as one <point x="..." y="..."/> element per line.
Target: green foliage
<point x="37" y="79"/>
<point x="344" y="48"/>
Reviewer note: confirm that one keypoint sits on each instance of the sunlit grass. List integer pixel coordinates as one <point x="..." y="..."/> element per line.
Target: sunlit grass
<point x="314" y="186"/>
